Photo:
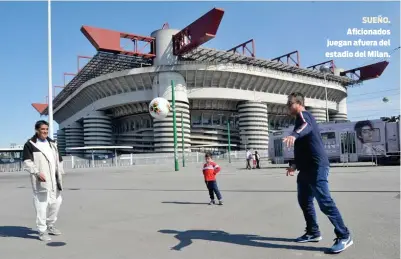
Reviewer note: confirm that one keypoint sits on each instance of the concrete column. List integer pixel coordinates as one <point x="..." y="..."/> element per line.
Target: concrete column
<point x="61" y="141"/>
<point x="97" y="129"/>
<point x="163" y="129"/>
<point x="341" y="111"/>
<point x="164" y="47"/>
<point x="253" y="125"/>
<point x="74" y="136"/>
<point x="97" y="132"/>
<point x="318" y="113"/>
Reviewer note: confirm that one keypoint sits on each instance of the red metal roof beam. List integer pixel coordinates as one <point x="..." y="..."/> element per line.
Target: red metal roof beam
<point x="198" y="32"/>
<point x="39" y="107"/>
<point x="57" y="86"/>
<point x="68" y="74"/>
<point x="366" y="72"/>
<point x="289" y="57"/>
<point x="109" y="41"/>
<point x="244" y="47"/>
<point x="332" y="66"/>
<point x="78" y="59"/>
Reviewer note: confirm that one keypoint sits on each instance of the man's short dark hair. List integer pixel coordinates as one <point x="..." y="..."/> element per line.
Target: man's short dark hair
<point x="39" y="124"/>
<point x="208" y="154"/>
<point x="299" y="98"/>
<point x="360" y="124"/>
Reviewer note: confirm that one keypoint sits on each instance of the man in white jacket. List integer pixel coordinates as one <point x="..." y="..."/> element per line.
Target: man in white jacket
<point x="44" y="163"/>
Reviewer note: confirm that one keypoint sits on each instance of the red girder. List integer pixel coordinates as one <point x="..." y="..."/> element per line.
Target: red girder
<point x="244" y="47"/>
<point x="80" y="57"/>
<point x="57" y="86"/>
<point x="198" y="32"/>
<point x="331" y="62"/>
<point x="47" y="99"/>
<point x="366" y="72"/>
<point x="109" y="41"/>
<point x="40" y="107"/>
<point x="68" y="74"/>
<point x="289" y="58"/>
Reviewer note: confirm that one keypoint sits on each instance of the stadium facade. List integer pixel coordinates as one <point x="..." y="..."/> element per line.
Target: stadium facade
<point x="106" y="103"/>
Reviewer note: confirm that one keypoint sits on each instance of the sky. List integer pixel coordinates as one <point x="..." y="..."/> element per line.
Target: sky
<point x="276" y="27"/>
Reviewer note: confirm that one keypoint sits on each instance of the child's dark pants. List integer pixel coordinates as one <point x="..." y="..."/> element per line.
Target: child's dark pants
<point x="213" y="189"/>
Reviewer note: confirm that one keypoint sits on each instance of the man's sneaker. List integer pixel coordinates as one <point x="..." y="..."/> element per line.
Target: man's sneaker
<point x="212" y="202"/>
<point x="53" y="231"/>
<point x="340" y="245"/>
<point x="43" y="236"/>
<point x="308" y="238"/>
<point x="220" y="202"/>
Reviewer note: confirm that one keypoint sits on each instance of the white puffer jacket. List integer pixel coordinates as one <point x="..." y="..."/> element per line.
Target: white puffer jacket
<point x="36" y="162"/>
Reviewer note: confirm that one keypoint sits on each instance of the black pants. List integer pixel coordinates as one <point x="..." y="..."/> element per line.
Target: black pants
<point x="248" y="164"/>
<point x="258" y="163"/>
<point x="213" y="189"/>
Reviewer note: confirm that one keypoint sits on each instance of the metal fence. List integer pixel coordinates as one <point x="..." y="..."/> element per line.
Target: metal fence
<point x="72" y="162"/>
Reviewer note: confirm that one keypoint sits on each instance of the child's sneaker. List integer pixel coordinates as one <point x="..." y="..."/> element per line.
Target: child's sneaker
<point x="212" y="202"/>
<point x="220" y="202"/>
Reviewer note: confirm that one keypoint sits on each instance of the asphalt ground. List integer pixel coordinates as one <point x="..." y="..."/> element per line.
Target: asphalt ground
<point x="154" y="212"/>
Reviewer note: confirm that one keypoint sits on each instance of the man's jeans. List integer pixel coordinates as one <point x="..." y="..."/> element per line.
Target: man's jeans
<point x="314" y="184"/>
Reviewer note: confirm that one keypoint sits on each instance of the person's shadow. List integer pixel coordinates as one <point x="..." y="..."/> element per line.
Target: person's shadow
<point x="18" y="231"/>
<point x="186" y="237"/>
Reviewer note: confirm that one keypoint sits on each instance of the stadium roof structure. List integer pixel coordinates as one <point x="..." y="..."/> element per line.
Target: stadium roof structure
<point x="110" y="57"/>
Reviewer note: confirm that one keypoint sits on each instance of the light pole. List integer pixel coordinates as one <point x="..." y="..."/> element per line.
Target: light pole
<point x="229" y="140"/>
<point x="228" y="136"/>
<point x="50" y="89"/>
<point x="174" y="125"/>
<point x="325" y="70"/>
<point x="229" y="133"/>
<point x="182" y="139"/>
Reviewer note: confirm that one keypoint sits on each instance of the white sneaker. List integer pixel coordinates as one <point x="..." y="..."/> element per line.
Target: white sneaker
<point x="43" y="236"/>
<point x="53" y="231"/>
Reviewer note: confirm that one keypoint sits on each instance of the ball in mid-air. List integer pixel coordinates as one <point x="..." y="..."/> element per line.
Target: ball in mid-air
<point x="159" y="108"/>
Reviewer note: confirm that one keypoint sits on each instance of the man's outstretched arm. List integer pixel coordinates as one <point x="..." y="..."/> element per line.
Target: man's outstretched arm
<point x="304" y="129"/>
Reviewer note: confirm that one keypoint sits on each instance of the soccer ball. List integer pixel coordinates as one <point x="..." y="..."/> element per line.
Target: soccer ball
<point x="159" y="108"/>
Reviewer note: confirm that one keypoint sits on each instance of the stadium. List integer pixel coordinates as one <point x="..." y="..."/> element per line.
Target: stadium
<point x="106" y="102"/>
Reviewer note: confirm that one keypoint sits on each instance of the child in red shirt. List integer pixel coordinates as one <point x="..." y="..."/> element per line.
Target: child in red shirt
<point x="210" y="169"/>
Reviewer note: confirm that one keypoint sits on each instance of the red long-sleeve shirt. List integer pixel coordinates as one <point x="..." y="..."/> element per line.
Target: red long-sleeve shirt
<point x="210" y="170"/>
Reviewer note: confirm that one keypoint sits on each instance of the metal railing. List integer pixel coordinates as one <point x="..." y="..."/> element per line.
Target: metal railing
<point x="74" y="162"/>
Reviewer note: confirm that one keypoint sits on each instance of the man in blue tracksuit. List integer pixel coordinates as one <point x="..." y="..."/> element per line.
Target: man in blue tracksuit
<point x="313" y="165"/>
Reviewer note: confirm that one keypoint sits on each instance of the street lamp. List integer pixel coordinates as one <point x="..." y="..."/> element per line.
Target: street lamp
<point x="182" y="139"/>
<point x="174" y="125"/>
<point x="229" y="140"/>
<point x="50" y="86"/>
<point x="229" y="134"/>
<point x="325" y="70"/>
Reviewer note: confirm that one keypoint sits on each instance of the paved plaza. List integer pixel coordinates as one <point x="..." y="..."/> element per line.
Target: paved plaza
<point x="152" y="212"/>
